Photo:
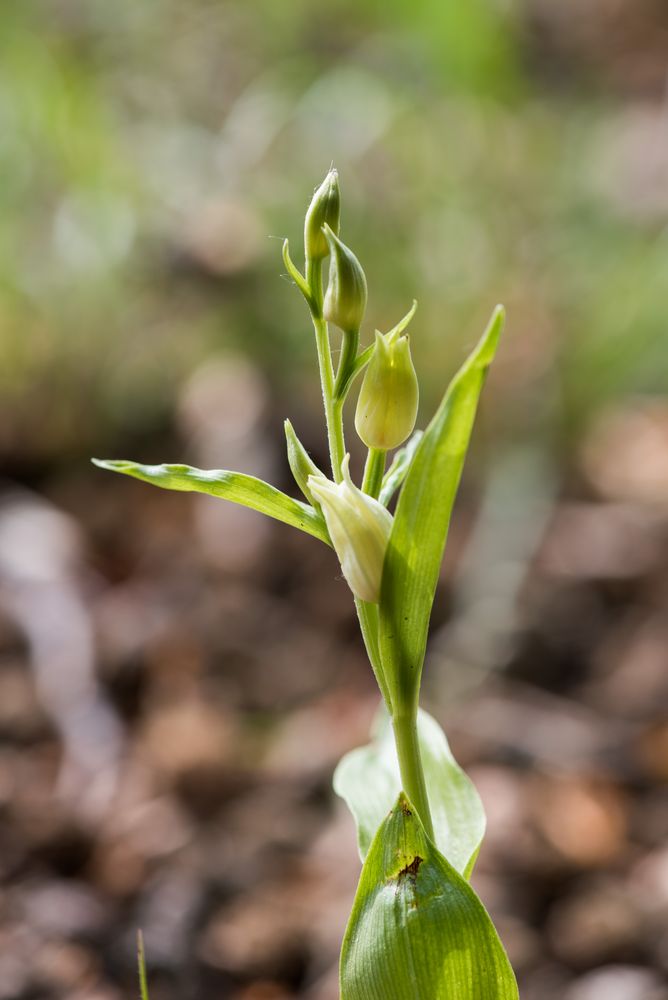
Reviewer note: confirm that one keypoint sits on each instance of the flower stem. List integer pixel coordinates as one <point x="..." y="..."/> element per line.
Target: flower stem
<point x="410" y="766"/>
<point x="373" y="472"/>
<point x="333" y="408"/>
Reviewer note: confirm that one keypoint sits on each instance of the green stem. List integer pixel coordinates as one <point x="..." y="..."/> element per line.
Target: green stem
<point x="313" y="275"/>
<point x="404" y="723"/>
<point x="374" y="469"/>
<point x="333" y="410"/>
<point x="410" y="766"/>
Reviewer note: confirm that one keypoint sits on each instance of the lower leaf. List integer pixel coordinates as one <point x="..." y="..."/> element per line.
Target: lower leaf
<point x="417" y="930"/>
<point x="234" y="486"/>
<point x="368" y="780"/>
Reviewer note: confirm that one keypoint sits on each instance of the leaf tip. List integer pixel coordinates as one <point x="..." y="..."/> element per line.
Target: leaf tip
<point x="486" y="349"/>
<point x="498" y="319"/>
<point x="111" y="464"/>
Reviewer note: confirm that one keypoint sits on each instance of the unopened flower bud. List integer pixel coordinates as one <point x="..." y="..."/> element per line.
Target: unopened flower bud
<point x="325" y="209"/>
<point x="345" y="299"/>
<point x="388" y="400"/>
<point x="359" y="527"/>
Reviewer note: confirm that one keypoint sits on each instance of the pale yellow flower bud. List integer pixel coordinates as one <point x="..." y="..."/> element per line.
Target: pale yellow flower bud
<point x="359" y="528"/>
<point x="325" y="208"/>
<point x="345" y="299"/>
<point x="388" y="400"/>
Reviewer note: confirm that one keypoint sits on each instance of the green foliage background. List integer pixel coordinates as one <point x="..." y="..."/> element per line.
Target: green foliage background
<point x="148" y="151"/>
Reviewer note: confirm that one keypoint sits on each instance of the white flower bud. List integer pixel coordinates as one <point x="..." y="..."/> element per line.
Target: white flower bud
<point x="359" y="527"/>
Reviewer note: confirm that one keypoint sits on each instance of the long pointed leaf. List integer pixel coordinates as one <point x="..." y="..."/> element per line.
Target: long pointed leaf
<point x="420" y="528"/>
<point x="245" y="490"/>
<point x="417" y="930"/>
<point x="368" y="779"/>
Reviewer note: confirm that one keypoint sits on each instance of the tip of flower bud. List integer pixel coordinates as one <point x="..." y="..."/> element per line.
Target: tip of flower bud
<point x="324" y="210"/>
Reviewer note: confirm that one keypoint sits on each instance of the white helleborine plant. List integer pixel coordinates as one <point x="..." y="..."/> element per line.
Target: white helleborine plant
<point x="359" y="527"/>
<point x="417" y="930"/>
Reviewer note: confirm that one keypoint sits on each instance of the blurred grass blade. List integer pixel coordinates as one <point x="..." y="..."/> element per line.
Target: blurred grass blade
<point x="398" y="471"/>
<point x="421" y="522"/>
<point x="417" y="930"/>
<point x="245" y="490"/>
<point x="141" y="962"/>
<point x="369" y="781"/>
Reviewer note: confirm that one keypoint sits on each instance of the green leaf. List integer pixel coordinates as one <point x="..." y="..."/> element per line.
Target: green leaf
<point x="369" y="781"/>
<point x="245" y="490"/>
<point x="397" y="330"/>
<point x="420" y="528"/>
<point x="367" y="614"/>
<point x="417" y="930"/>
<point x="398" y="471"/>
<point x="301" y="464"/>
<point x="361" y="361"/>
<point x="296" y="275"/>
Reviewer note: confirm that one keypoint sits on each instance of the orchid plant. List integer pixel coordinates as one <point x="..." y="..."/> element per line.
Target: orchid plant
<point x="417" y="930"/>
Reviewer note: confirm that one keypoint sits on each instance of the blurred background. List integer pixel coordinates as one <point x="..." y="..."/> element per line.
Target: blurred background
<point x="179" y="677"/>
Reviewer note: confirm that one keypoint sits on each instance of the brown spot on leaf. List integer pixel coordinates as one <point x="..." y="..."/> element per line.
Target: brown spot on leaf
<point x="411" y="870"/>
